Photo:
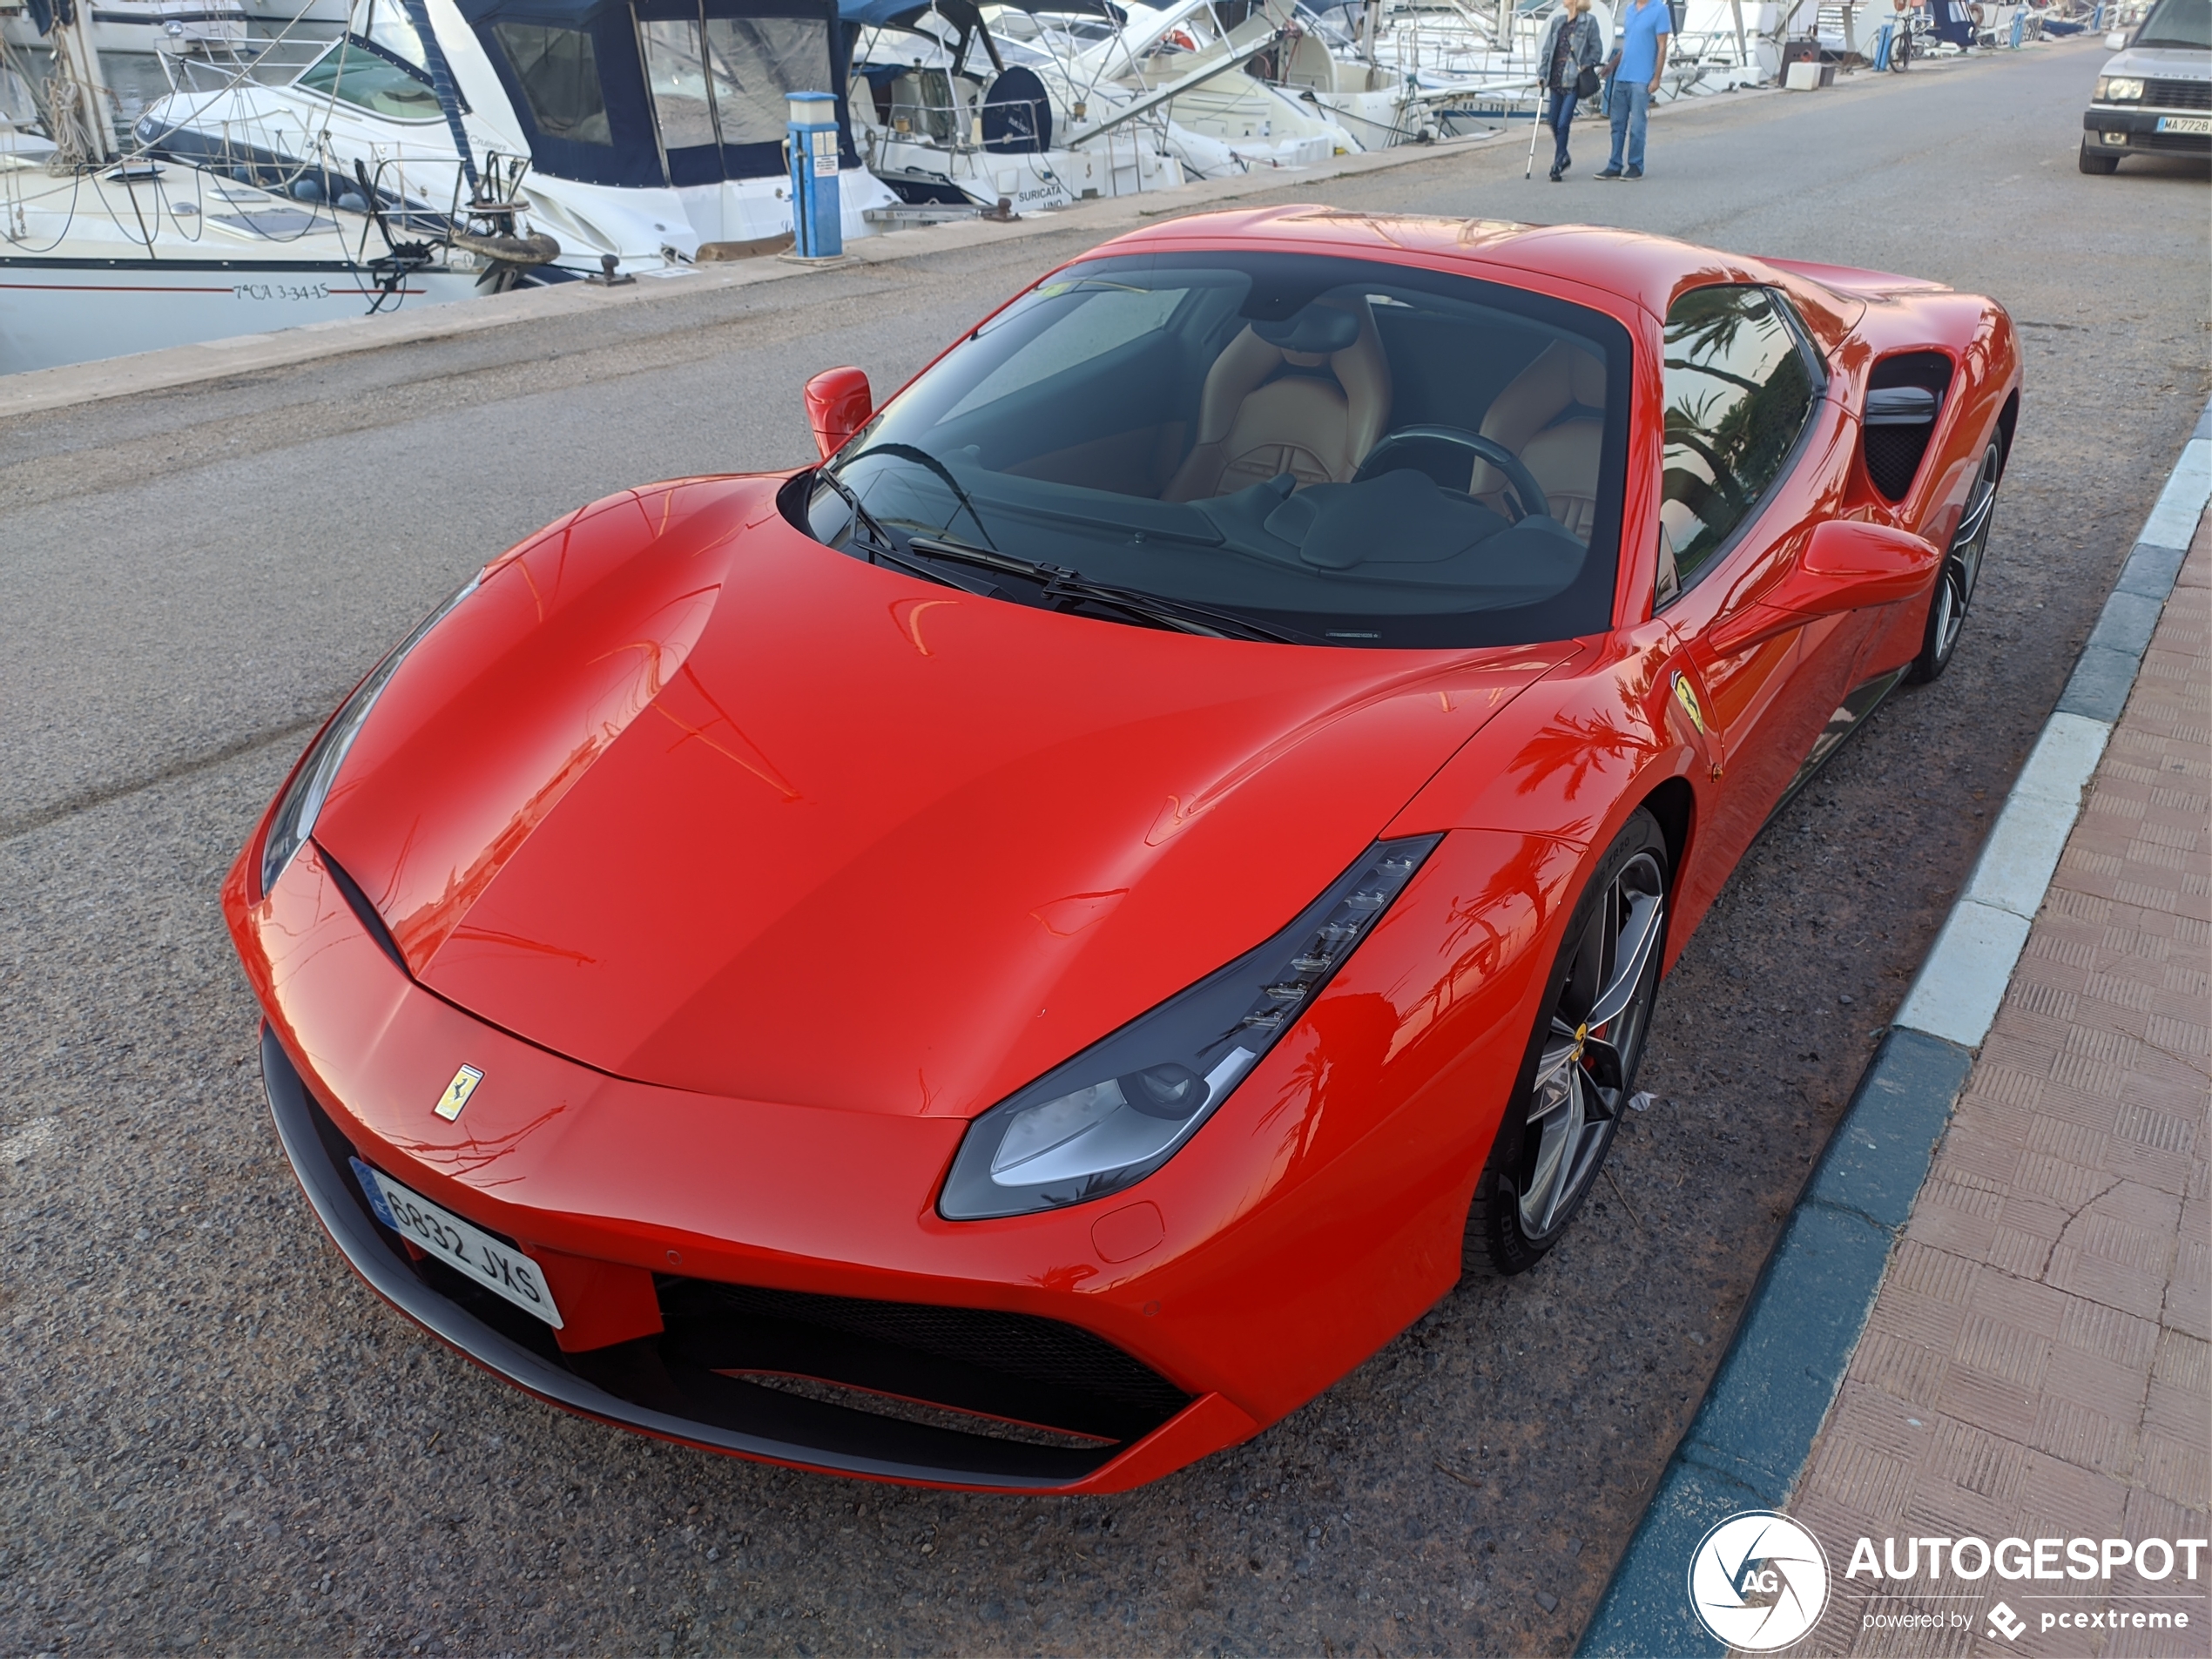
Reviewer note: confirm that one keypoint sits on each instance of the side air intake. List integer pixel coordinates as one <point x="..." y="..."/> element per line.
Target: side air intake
<point x="1903" y="395"/>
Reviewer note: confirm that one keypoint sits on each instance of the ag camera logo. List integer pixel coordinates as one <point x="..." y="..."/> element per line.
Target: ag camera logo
<point x="1758" y="1581"/>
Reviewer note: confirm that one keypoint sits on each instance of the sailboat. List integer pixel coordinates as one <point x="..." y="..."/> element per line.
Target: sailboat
<point x="97" y="260"/>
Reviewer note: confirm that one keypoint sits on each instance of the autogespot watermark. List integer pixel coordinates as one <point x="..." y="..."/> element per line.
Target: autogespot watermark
<point x="1759" y="1581"/>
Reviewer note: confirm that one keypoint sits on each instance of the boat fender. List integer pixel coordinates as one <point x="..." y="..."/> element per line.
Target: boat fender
<point x="535" y="249"/>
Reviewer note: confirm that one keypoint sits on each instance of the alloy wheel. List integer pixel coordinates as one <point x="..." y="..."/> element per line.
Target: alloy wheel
<point x="1597" y="1028"/>
<point x="1962" y="567"/>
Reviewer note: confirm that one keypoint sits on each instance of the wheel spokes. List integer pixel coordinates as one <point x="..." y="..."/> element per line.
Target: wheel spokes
<point x="1976" y="518"/>
<point x="1557" y="1118"/>
<point x="1639" y="938"/>
<point x="1604" y="1071"/>
<point x="1582" y="1071"/>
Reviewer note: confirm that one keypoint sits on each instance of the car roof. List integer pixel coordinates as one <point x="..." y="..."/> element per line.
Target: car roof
<point x="1633" y="265"/>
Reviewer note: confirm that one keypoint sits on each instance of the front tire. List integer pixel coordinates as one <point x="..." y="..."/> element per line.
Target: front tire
<point x="1582" y="1059"/>
<point x="1954" y="588"/>
<point x="2093" y="162"/>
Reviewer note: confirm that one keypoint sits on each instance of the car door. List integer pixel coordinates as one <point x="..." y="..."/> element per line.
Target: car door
<point x="1754" y="457"/>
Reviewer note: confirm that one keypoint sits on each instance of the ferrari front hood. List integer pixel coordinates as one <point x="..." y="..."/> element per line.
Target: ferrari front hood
<point x="687" y="796"/>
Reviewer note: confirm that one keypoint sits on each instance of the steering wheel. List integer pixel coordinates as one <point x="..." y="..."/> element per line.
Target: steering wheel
<point x="1531" y="495"/>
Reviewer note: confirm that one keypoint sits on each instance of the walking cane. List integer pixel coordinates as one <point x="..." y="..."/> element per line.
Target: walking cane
<point x="1531" y="171"/>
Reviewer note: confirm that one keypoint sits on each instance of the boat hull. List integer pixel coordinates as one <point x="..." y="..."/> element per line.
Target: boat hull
<point x="54" y="312"/>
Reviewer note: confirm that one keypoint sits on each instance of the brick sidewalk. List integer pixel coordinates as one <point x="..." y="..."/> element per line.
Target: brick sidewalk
<point x="2038" y="1361"/>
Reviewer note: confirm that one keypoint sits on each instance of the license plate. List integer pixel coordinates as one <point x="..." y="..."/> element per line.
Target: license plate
<point x="2199" y="124"/>
<point x="460" y="1246"/>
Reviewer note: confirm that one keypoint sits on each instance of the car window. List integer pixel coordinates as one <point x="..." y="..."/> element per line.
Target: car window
<point x="1348" y="452"/>
<point x="1738" y="390"/>
<point x="1103" y="316"/>
<point x="2181" y="25"/>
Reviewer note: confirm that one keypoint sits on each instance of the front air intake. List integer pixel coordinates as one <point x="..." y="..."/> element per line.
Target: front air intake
<point x="1904" y="396"/>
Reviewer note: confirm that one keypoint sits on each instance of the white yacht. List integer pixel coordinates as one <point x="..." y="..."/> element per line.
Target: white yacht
<point x="955" y="102"/>
<point x="650" y="132"/>
<point x="1208" y="80"/>
<point x="948" y="111"/>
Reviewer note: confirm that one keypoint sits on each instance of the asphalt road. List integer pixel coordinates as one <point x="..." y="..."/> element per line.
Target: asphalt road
<point x="211" y="1437"/>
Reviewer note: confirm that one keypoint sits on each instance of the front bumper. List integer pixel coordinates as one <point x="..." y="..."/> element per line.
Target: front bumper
<point x="2137" y="132"/>
<point x="1124" y="1422"/>
<point x="772" y="1280"/>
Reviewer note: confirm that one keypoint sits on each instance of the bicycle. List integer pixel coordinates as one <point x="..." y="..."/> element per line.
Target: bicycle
<point x="1909" y="34"/>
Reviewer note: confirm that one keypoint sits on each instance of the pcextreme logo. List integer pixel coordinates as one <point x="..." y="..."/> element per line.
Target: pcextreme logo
<point x="2158" y="1563"/>
<point x="1758" y="1581"/>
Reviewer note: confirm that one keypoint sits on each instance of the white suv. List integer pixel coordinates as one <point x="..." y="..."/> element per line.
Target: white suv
<point x="2155" y="97"/>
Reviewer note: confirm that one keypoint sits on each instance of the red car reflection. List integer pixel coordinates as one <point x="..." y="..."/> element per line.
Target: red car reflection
<point x="1016" y="956"/>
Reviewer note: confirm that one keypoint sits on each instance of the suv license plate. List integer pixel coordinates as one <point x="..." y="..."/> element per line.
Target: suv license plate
<point x="2198" y="123"/>
<point x="460" y="1246"/>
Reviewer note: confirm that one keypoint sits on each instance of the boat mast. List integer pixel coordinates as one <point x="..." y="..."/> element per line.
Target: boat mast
<point x="76" y="99"/>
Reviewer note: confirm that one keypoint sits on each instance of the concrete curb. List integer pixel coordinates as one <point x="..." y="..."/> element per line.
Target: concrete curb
<point x="1748" y="1442"/>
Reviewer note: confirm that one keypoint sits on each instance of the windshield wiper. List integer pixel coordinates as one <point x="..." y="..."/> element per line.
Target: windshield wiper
<point x="1061" y="582"/>
<point x="922" y="457"/>
<point x="862" y="517"/>
<point x="883" y="549"/>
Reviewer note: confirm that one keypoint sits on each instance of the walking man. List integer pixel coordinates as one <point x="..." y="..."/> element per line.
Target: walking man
<point x="1636" y="66"/>
<point x="1571" y="52"/>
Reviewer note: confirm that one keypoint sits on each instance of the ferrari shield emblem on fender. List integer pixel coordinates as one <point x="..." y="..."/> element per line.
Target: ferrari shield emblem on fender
<point x="1687" y="695"/>
<point x="457" y="1092"/>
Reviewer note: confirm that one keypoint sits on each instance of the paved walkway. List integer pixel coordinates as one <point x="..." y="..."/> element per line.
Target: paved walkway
<point x="2037" y="1363"/>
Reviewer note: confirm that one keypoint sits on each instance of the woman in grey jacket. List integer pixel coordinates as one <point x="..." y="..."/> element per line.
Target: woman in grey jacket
<point x="1573" y="44"/>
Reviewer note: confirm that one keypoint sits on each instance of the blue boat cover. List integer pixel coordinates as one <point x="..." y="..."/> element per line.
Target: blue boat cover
<point x="868" y="13"/>
<point x="573" y="72"/>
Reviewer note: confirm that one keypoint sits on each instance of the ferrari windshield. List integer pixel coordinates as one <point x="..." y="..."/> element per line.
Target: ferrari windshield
<point x="1327" y="450"/>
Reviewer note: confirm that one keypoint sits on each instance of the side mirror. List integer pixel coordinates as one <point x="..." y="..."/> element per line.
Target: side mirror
<point x="837" y="405"/>
<point x="2116" y="40"/>
<point x="1848" y="564"/>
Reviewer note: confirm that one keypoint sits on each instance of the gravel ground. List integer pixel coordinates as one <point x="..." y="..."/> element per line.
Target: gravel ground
<point x="212" y="1438"/>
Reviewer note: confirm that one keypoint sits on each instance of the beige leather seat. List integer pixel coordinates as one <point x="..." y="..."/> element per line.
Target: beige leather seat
<point x="1256" y="422"/>
<point x="1563" y="459"/>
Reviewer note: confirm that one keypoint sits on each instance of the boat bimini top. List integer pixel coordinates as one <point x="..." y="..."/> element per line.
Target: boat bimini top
<point x="650" y="92"/>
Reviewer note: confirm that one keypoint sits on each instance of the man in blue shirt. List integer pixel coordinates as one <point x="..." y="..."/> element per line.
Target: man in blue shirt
<point x="1635" y="66"/>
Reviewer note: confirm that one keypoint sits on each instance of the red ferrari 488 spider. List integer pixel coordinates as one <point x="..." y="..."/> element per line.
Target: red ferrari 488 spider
<point x="1014" y="956"/>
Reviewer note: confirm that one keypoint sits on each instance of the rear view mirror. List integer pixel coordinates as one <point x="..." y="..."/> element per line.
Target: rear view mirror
<point x="1848" y="564"/>
<point x="837" y="405"/>
<point x="2117" y="40"/>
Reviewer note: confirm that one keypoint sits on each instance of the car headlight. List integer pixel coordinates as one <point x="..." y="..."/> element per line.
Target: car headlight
<point x="2119" y="88"/>
<point x="1117" y="1111"/>
<point x="301" y="802"/>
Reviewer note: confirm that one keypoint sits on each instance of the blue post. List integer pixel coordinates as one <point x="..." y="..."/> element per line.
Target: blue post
<point x="818" y="231"/>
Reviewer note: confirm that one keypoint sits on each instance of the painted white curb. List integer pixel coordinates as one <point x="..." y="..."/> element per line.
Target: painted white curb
<point x="2022" y="854"/>
<point x="1966" y="972"/>
<point x="2173" y="521"/>
<point x="1964" y="979"/>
